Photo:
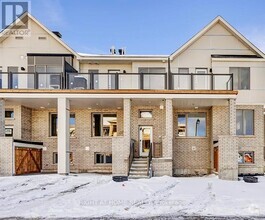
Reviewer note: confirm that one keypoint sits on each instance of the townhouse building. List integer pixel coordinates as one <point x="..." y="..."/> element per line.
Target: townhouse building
<point x="197" y="111"/>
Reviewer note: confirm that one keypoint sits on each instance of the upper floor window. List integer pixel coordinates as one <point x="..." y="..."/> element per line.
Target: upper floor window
<point x="241" y="77"/>
<point x="104" y="124"/>
<point x="245" y="122"/>
<point x="54" y="125"/>
<point x="192" y="124"/>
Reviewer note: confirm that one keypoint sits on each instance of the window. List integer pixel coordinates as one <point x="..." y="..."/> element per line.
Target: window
<point x="9" y="113"/>
<point x="146" y="114"/>
<point x="53" y="124"/>
<point x="103" y="158"/>
<point x="245" y="122"/>
<point x="241" y="77"/>
<point x="192" y="124"/>
<point x="104" y="124"/>
<point x="246" y="157"/>
<point x="55" y="158"/>
<point x="9" y="132"/>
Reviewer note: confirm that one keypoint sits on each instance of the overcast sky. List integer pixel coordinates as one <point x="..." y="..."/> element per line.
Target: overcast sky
<point x="145" y="26"/>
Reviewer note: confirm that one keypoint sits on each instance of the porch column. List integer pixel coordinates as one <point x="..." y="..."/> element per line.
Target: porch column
<point x="228" y="147"/>
<point x="232" y="116"/>
<point x="2" y="118"/>
<point x="168" y="146"/>
<point x="127" y="120"/>
<point x="63" y="110"/>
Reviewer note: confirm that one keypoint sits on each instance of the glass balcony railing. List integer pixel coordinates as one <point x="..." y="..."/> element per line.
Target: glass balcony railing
<point x="115" y="81"/>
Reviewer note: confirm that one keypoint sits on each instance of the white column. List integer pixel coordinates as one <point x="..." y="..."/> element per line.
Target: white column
<point x="168" y="148"/>
<point x="63" y="110"/>
<point x="2" y="118"/>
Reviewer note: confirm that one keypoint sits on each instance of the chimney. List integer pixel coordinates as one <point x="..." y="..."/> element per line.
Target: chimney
<point x="57" y="33"/>
<point x="122" y="51"/>
<point x="112" y="50"/>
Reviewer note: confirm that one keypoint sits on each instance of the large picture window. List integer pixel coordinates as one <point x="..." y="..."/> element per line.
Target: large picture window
<point x="241" y="77"/>
<point x="245" y="122"/>
<point x="54" y="124"/>
<point x="104" y="124"/>
<point x="192" y="124"/>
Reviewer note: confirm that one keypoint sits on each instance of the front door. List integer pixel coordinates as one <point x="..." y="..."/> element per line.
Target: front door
<point x="145" y="140"/>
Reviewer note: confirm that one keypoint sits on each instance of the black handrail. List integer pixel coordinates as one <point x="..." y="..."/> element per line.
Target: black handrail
<point x="150" y="157"/>
<point x="131" y="155"/>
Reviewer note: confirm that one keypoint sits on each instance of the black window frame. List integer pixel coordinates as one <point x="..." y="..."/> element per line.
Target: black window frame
<point x="103" y="157"/>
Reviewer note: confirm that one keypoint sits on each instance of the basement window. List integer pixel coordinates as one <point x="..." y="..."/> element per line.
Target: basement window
<point x="192" y="124"/>
<point x="55" y="158"/>
<point x="8" y="132"/>
<point x="9" y="113"/>
<point x="104" y="125"/>
<point x="103" y="158"/>
<point x="246" y="157"/>
<point x="54" y="126"/>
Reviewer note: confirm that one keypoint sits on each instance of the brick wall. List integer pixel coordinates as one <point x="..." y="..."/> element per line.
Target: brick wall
<point x="157" y="122"/>
<point x="191" y="156"/>
<point x="26" y="117"/>
<point x="162" y="166"/>
<point x="83" y="145"/>
<point x="2" y="118"/>
<point x="6" y="156"/>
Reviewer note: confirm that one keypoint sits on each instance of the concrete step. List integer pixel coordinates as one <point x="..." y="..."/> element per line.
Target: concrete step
<point x="139" y="166"/>
<point x="140" y="159"/>
<point x="138" y="173"/>
<point x="139" y="162"/>
<point x="138" y="177"/>
<point x="139" y="169"/>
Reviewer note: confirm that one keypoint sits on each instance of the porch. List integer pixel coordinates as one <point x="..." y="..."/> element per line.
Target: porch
<point x="105" y="149"/>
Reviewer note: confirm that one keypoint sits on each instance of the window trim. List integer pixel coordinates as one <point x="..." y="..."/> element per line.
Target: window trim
<point x="145" y="110"/>
<point x="104" y="154"/>
<point x="186" y="118"/>
<point x="245" y="152"/>
<point x="101" y="123"/>
<point x="55" y="155"/>
<point x="246" y="135"/>
<point x="50" y="124"/>
<point x="10" y="110"/>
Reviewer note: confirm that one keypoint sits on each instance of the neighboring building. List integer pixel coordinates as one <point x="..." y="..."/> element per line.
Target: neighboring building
<point x="200" y="109"/>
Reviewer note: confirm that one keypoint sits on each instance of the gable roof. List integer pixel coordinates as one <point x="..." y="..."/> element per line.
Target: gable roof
<point x="22" y="17"/>
<point x="229" y="27"/>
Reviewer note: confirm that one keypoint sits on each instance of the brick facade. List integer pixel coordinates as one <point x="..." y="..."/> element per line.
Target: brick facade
<point x="6" y="156"/>
<point x="2" y="118"/>
<point x="191" y="155"/>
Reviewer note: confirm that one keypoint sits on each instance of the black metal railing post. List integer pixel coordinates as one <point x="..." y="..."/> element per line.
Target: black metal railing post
<point x="91" y="80"/>
<point x="10" y="80"/>
<point x="212" y="82"/>
<point x="141" y="81"/>
<point x="191" y="81"/>
<point x="117" y="81"/>
<point x="36" y="80"/>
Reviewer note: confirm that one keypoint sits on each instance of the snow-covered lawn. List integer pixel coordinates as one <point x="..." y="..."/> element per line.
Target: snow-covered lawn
<point x="91" y="195"/>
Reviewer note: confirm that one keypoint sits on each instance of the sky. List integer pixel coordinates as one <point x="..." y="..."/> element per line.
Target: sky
<point x="145" y="26"/>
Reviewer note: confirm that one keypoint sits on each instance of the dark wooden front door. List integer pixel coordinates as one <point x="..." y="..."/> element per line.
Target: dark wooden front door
<point x="216" y="162"/>
<point x="27" y="160"/>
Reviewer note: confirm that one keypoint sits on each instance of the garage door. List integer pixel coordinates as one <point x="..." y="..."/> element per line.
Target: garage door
<point x="27" y="160"/>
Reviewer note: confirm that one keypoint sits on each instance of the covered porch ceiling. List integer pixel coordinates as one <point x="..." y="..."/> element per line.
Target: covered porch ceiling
<point x="116" y="103"/>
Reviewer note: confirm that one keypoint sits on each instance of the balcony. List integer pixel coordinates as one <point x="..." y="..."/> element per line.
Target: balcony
<point x="116" y="81"/>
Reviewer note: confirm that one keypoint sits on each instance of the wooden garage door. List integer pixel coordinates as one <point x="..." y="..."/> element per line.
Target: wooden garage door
<point x="27" y="160"/>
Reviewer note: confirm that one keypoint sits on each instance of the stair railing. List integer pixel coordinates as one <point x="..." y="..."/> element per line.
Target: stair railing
<point x="150" y="155"/>
<point x="131" y="155"/>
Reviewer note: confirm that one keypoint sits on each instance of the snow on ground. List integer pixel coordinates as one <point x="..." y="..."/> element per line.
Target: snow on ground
<point x="92" y="195"/>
